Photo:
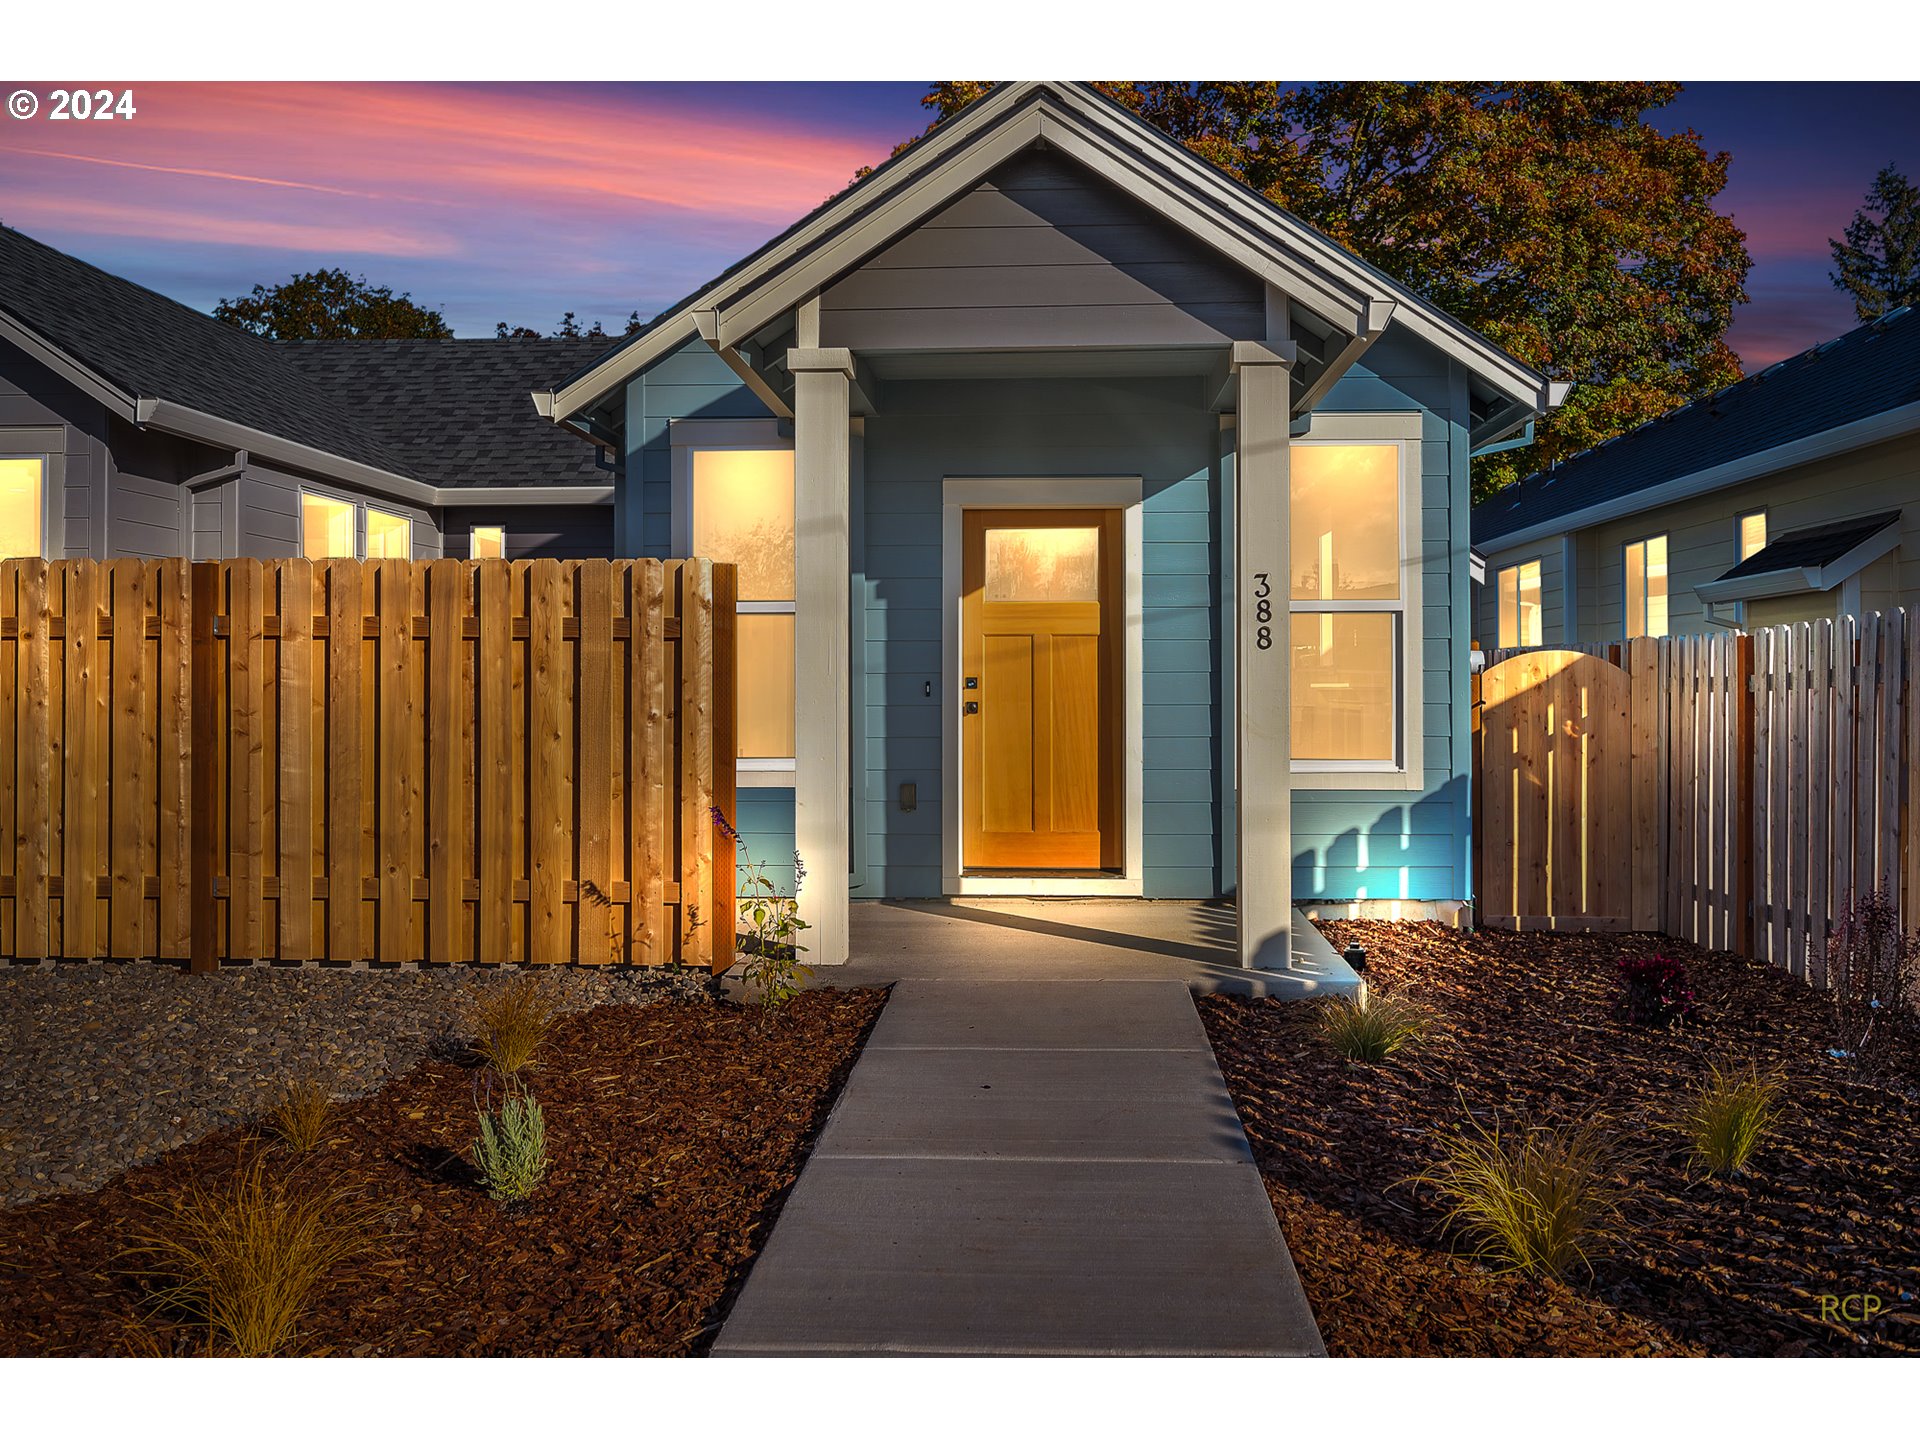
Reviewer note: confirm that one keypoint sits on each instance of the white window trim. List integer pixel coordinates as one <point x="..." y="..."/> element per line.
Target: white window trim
<point x="1050" y="492"/>
<point x="1499" y="623"/>
<point x="1403" y="428"/>
<point x="685" y="437"/>
<point x="46" y="494"/>
<point x="1627" y="632"/>
<point x="361" y="504"/>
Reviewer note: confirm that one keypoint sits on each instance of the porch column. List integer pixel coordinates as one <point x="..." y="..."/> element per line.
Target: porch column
<point x="822" y="593"/>
<point x="1262" y="748"/>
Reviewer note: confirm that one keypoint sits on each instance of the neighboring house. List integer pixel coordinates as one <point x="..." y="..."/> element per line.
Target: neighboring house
<point x="1791" y="495"/>
<point x="1075" y="487"/>
<point x="131" y="425"/>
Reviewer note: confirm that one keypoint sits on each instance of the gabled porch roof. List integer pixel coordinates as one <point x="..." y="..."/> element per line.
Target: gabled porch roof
<point x="1336" y="304"/>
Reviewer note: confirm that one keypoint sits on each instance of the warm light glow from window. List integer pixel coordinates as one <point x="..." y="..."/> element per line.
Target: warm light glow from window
<point x="1343" y="686"/>
<point x="765" y="691"/>
<point x="1045" y="565"/>
<point x="1753" y="534"/>
<point x="389" y="537"/>
<point x="22" y="507"/>
<point x="1646" y="564"/>
<point x="1346" y="522"/>
<point x="1520" y="605"/>
<point x="743" y="513"/>
<point x="326" y="528"/>
<point x="489" y="543"/>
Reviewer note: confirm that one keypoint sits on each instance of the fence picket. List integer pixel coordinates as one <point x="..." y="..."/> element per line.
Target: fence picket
<point x="450" y="713"/>
<point x="593" y="913"/>
<point x="347" y="737"/>
<point x="1893" y="653"/>
<point x="1819" y="795"/>
<point x="296" y="761"/>
<point x="548" y="731"/>
<point x="1845" y="670"/>
<point x="499" y="835"/>
<point x="9" y="748"/>
<point x="131" y="817"/>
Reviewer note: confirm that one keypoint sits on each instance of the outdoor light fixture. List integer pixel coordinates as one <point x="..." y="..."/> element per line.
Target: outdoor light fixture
<point x="1355" y="955"/>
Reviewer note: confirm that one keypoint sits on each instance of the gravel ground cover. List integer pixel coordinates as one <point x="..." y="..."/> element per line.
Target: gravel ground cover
<point x="1522" y="1034"/>
<point x="674" y="1132"/>
<point x="110" y="1065"/>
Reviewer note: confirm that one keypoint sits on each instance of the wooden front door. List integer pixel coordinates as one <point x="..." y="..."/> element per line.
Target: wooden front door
<point x="1040" y="620"/>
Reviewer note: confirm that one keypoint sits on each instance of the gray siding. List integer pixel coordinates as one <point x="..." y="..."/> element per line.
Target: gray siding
<point x="1042" y="252"/>
<point x="533" y="532"/>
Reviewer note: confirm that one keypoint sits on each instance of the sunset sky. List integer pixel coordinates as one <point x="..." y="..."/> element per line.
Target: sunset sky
<point x="519" y="202"/>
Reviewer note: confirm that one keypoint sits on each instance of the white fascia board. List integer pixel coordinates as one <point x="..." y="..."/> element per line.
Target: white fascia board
<point x="1804" y="579"/>
<point x="88" y="381"/>
<point x="532" y="493"/>
<point x="1854" y="435"/>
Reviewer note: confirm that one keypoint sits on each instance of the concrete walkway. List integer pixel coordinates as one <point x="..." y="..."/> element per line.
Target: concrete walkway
<point x="1025" y="1167"/>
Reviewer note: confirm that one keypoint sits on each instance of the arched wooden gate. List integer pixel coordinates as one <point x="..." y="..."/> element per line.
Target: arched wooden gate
<point x="1553" y="793"/>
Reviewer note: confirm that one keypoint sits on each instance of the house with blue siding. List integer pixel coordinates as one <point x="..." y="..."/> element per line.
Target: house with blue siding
<point x="1102" y="530"/>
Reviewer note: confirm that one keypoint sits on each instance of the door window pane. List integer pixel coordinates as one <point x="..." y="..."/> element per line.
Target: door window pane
<point x="743" y="515"/>
<point x="765" y="690"/>
<point x="489" y="543"/>
<point x="1044" y="564"/>
<point x="22" y="507"/>
<point x="389" y="537"/>
<point x="1345" y="530"/>
<point x="1343" y="687"/>
<point x="326" y="528"/>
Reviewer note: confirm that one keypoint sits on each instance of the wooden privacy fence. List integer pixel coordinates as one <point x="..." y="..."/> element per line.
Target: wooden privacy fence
<point x="387" y="760"/>
<point x="1768" y="786"/>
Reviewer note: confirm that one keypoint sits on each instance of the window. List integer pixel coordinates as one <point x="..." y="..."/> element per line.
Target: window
<point x="740" y="509"/>
<point x="389" y="537"/>
<point x="23" y="510"/>
<point x="1520" y="605"/>
<point x="489" y="542"/>
<point x="326" y="528"/>
<point x="1647" y="587"/>
<point x="1349" y="595"/>
<point x="1753" y="534"/>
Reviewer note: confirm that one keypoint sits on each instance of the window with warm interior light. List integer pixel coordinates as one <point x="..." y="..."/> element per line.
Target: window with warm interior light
<point x="742" y="512"/>
<point x="1646" y="562"/>
<point x="1519" y="587"/>
<point x="389" y="537"/>
<point x="1348" y="602"/>
<point x="489" y="542"/>
<point x="23" y="506"/>
<point x="1753" y="534"/>
<point x="326" y="528"/>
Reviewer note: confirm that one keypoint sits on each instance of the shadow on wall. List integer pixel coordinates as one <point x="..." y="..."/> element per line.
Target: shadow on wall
<point x="1411" y="850"/>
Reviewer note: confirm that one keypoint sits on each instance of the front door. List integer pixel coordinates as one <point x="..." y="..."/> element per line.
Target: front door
<point x="1040" y="614"/>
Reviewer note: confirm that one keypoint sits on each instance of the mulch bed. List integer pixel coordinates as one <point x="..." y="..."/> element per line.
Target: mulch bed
<point x="675" y="1131"/>
<point x="1739" y="1266"/>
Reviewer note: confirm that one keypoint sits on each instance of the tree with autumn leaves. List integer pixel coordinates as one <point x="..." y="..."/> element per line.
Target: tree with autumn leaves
<point x="1553" y="218"/>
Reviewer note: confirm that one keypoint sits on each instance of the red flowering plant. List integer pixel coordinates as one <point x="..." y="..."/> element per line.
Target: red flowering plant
<point x="1653" y="992"/>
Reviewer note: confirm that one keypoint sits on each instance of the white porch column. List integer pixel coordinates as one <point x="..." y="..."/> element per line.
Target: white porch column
<point x="822" y="569"/>
<point x="1262" y="748"/>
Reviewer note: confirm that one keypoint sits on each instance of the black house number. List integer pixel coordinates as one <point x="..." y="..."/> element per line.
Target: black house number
<point x="1262" y="611"/>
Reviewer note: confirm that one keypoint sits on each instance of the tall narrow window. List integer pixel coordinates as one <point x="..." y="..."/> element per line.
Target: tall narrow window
<point x="1753" y="534"/>
<point x="389" y="537"/>
<point x="326" y="528"/>
<point x="1646" y="563"/>
<point x="1348" y="603"/>
<point x="23" y="507"/>
<point x="1520" y="605"/>
<point x="742" y="512"/>
<point x="489" y="542"/>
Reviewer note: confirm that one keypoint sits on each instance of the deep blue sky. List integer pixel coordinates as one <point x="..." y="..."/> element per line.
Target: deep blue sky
<point x="516" y="202"/>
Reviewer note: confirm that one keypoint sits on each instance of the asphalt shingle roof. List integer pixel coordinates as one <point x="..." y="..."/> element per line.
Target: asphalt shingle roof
<point x="1864" y="372"/>
<point x="1812" y="547"/>
<point x="458" y="412"/>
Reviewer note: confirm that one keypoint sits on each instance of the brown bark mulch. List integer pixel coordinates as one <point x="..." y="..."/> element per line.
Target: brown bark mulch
<point x="675" y="1131"/>
<point x="1522" y="1035"/>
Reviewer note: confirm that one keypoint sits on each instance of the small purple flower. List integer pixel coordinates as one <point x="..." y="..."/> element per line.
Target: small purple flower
<point x="725" y="828"/>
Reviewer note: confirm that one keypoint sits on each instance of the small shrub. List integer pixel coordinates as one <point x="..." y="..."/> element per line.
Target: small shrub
<point x="1371" y="1028"/>
<point x="511" y="1153"/>
<point x="246" y="1259"/>
<point x="1653" y="992"/>
<point x="1732" y="1112"/>
<point x="1538" y="1202"/>
<point x="512" y="1020"/>
<point x="300" y="1117"/>
<point x="773" y="971"/>
<point x="1871" y="969"/>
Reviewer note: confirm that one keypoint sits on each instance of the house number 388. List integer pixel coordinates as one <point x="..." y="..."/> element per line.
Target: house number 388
<point x="1262" y="612"/>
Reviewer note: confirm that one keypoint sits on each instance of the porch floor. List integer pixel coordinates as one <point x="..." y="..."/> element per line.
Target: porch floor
<point x="977" y="939"/>
<point x="1029" y="1166"/>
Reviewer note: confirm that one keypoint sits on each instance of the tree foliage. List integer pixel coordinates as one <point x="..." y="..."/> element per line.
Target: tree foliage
<point x="1553" y="218"/>
<point x="568" y="329"/>
<point x="1879" y="261"/>
<point x="332" y="305"/>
